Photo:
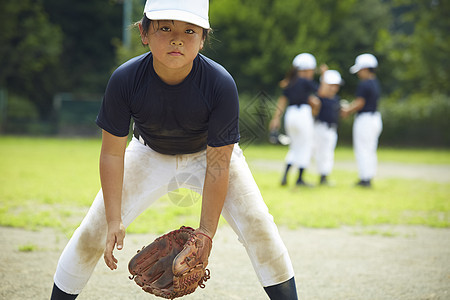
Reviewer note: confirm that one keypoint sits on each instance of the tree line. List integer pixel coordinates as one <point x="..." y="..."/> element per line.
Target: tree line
<point x="51" y="46"/>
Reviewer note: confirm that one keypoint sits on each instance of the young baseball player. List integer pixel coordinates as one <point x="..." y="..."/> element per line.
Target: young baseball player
<point x="325" y="125"/>
<point x="185" y="110"/>
<point x="367" y="125"/>
<point x="300" y="104"/>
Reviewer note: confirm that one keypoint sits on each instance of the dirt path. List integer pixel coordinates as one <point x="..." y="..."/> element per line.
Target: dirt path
<point x="396" y="263"/>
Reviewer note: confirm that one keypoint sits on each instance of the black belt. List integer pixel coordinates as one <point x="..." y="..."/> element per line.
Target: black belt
<point x="329" y="125"/>
<point x="366" y="112"/>
<point x="138" y="136"/>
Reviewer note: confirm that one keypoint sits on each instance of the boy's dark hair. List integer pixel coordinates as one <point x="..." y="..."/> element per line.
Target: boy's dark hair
<point x="372" y="70"/>
<point x="146" y="22"/>
<point x="291" y="74"/>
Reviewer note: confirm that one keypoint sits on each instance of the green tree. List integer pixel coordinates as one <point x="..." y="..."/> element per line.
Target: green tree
<point x="135" y="48"/>
<point x="418" y="48"/>
<point x="256" y="40"/>
<point x="29" y="50"/>
<point x="356" y="27"/>
<point x="89" y="28"/>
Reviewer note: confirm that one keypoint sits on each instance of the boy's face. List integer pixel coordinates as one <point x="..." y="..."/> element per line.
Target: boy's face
<point x="363" y="74"/>
<point x="174" y="44"/>
<point x="308" y="74"/>
<point x="330" y="90"/>
<point x="334" y="89"/>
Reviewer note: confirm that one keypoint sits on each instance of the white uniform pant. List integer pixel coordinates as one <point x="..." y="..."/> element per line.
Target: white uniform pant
<point x="149" y="175"/>
<point x="325" y="139"/>
<point x="299" y="125"/>
<point x="367" y="128"/>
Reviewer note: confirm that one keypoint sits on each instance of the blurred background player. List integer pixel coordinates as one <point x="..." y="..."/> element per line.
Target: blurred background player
<point x="300" y="104"/>
<point x="325" y="126"/>
<point x="367" y="125"/>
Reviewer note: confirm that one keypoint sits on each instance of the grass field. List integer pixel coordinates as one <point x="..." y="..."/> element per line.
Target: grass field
<point x="52" y="182"/>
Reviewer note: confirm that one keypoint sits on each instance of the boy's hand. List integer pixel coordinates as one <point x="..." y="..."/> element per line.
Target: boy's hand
<point x="115" y="235"/>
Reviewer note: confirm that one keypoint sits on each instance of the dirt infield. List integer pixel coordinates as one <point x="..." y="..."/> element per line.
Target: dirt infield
<point x="347" y="263"/>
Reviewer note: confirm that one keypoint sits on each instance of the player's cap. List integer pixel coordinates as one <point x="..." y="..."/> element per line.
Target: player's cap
<point x="332" y="77"/>
<point x="304" y="61"/>
<point x="192" y="11"/>
<point x="364" y="61"/>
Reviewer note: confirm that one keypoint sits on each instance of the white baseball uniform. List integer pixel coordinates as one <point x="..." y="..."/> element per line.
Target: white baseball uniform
<point x="299" y="122"/>
<point x="367" y="128"/>
<point x="176" y="123"/>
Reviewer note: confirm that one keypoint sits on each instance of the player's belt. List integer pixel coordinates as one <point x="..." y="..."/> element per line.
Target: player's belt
<point x="366" y="112"/>
<point x="138" y="136"/>
<point x="329" y="125"/>
<point x="298" y="105"/>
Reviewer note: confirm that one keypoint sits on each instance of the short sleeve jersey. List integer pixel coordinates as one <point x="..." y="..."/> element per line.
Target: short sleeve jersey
<point x="329" y="110"/>
<point x="370" y="91"/>
<point x="299" y="91"/>
<point x="172" y="119"/>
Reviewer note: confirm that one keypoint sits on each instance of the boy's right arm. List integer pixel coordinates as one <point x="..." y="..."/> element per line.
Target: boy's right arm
<point x="355" y="106"/>
<point x="111" y="176"/>
<point x="275" y="123"/>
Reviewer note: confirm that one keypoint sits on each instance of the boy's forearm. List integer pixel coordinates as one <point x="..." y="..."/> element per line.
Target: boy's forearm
<point x="215" y="188"/>
<point x="214" y="194"/>
<point x="281" y="107"/>
<point x="111" y="175"/>
<point x="357" y="105"/>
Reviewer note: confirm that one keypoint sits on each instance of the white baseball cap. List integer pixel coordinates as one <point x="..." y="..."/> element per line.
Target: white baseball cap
<point x="363" y="61"/>
<point x="192" y="11"/>
<point x="331" y="77"/>
<point x="304" y="61"/>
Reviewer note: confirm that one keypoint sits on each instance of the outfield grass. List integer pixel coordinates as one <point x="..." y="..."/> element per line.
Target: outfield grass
<point x="52" y="182"/>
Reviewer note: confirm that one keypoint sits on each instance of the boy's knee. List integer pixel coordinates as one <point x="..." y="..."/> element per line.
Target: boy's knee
<point x="91" y="245"/>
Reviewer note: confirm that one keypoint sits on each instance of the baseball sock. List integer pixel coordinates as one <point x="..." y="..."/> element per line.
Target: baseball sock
<point x="300" y="175"/>
<point x="323" y="179"/>
<point x="365" y="183"/>
<point x="284" y="180"/>
<point x="282" y="291"/>
<point x="57" y="294"/>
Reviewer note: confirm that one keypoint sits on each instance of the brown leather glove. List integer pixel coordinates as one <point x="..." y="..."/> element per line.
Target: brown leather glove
<point x="174" y="264"/>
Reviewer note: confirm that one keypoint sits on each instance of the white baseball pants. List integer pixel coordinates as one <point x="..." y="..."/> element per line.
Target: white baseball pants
<point x="149" y="175"/>
<point x="299" y="125"/>
<point x="325" y="139"/>
<point x="367" y="128"/>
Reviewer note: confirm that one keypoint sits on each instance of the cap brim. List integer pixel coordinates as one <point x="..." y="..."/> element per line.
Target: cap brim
<point x="178" y="15"/>
<point x="354" y="69"/>
<point x="335" y="82"/>
<point x="339" y="82"/>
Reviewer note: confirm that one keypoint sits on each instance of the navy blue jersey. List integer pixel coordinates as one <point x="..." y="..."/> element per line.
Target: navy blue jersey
<point x="370" y="91"/>
<point x="172" y="119"/>
<point x="299" y="91"/>
<point x="329" y="111"/>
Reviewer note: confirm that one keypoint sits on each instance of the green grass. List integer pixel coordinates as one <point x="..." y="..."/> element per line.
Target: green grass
<point x="28" y="248"/>
<point x="49" y="182"/>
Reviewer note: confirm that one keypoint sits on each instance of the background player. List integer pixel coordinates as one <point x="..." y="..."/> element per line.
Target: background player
<point x="185" y="110"/>
<point x="325" y="125"/>
<point x="300" y="104"/>
<point x="367" y="125"/>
